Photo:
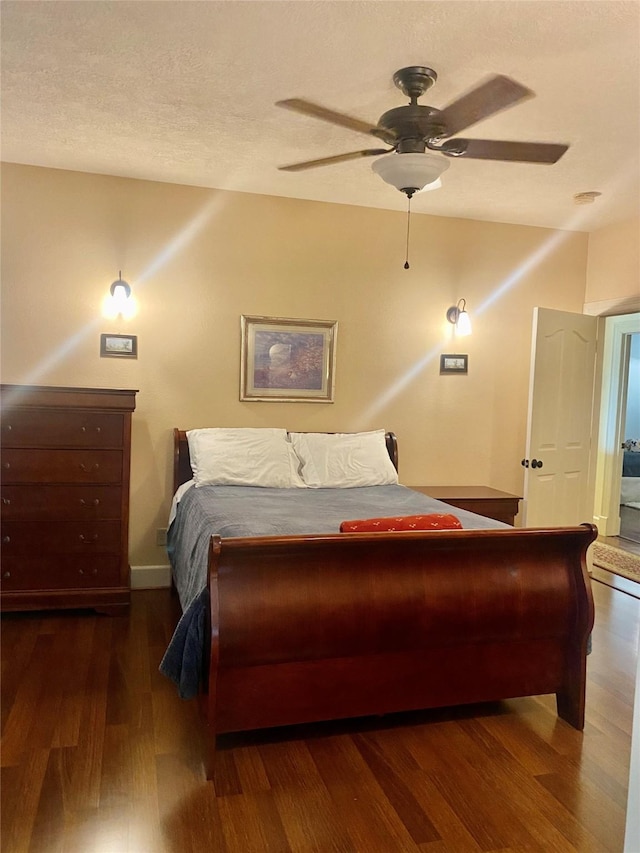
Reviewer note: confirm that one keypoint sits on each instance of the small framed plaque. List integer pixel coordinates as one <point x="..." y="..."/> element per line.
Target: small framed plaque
<point x="118" y="346"/>
<point x="454" y="363"/>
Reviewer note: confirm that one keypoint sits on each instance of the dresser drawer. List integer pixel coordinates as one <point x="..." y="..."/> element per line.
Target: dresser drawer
<point x="61" y="466"/>
<point x="51" y="428"/>
<point x="60" y="572"/>
<point x="63" y="537"/>
<point x="60" y="502"/>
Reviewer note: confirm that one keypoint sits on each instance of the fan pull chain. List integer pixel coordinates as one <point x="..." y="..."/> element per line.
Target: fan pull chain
<point x="406" y="262"/>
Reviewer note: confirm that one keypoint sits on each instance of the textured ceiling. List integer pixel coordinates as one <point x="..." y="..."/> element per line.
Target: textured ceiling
<point x="184" y="92"/>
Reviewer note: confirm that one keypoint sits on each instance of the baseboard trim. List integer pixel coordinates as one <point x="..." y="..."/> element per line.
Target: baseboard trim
<point x="150" y="577"/>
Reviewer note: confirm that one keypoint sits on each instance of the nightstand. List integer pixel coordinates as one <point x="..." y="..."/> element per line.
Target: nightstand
<point x="482" y="500"/>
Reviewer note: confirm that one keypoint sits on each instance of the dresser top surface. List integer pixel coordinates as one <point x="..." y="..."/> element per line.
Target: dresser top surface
<point x="17" y="396"/>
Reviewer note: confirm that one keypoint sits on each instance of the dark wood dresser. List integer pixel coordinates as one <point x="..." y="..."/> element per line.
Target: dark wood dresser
<point x="65" y="497"/>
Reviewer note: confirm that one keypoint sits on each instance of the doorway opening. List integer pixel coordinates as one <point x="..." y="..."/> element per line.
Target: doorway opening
<point x="630" y="482"/>
<point x="612" y="491"/>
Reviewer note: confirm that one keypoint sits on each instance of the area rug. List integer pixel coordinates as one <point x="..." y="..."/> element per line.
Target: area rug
<point x="617" y="561"/>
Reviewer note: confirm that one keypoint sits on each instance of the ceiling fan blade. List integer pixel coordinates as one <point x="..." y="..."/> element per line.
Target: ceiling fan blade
<point x="490" y="97"/>
<point x="308" y="108"/>
<point x="491" y="149"/>
<point x="337" y="158"/>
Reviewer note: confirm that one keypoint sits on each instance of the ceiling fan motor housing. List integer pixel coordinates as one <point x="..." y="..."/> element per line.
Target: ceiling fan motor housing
<point x="412" y="125"/>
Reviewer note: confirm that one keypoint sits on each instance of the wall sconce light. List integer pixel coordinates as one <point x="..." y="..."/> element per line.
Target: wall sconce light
<point x="457" y="315"/>
<point x="119" y="302"/>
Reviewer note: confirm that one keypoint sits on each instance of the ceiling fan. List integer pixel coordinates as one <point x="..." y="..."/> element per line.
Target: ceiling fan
<point x="414" y="128"/>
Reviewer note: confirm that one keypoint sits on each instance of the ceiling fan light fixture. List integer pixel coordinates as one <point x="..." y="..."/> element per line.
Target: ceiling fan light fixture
<point x="410" y="172"/>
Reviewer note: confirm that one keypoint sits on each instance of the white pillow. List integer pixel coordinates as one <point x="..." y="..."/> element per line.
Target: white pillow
<point x="243" y="457"/>
<point x="344" y="460"/>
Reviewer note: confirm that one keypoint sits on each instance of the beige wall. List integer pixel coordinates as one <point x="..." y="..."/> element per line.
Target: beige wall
<point x="613" y="270"/>
<point x="198" y="259"/>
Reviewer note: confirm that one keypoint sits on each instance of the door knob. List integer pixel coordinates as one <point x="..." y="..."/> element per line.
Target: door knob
<point x="525" y="463"/>
<point x="536" y="463"/>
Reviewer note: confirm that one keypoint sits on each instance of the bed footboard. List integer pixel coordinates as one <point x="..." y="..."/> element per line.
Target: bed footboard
<point x="308" y="628"/>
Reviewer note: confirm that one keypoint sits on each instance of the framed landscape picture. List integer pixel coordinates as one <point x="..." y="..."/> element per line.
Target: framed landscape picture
<point x="286" y="360"/>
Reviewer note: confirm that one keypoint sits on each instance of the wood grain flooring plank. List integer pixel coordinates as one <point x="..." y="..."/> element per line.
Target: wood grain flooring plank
<point x="87" y="758"/>
<point x="145" y="814"/>
<point x="10" y="776"/>
<point x="550" y="826"/>
<point x="49" y="829"/>
<point x="524" y="818"/>
<point x="392" y="741"/>
<point x="116" y="777"/>
<point x="78" y="655"/>
<point x="288" y="764"/>
<point x="132" y="649"/>
<point x="502" y="773"/>
<point x="602" y="818"/>
<point x="20" y="797"/>
<point x="405" y="805"/>
<point x="19" y="637"/>
<point x="453" y="835"/>
<point x="311" y="822"/>
<point x="250" y="770"/>
<point x="251" y="824"/>
<point x="594" y="758"/>
<point x="362" y="805"/>
<point x="189" y="816"/>
<point x="226" y="780"/>
<point x="521" y="742"/>
<point x="467" y="796"/>
<point x="308" y="814"/>
<point x="177" y="726"/>
<point x="25" y="710"/>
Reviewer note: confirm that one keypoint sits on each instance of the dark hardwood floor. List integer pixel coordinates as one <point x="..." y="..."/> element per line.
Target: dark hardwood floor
<point x="99" y="755"/>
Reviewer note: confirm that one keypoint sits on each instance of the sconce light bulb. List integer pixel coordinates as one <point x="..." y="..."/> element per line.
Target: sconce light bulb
<point x="463" y="325"/>
<point x="458" y="317"/>
<point x="119" y="302"/>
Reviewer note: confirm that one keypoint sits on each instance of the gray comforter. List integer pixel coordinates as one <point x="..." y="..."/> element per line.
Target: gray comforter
<point x="252" y="511"/>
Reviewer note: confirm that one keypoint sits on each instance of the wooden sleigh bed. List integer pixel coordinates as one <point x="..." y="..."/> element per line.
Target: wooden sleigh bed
<point x="306" y="628"/>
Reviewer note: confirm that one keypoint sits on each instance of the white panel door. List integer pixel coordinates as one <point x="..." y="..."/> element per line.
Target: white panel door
<point x="557" y="488"/>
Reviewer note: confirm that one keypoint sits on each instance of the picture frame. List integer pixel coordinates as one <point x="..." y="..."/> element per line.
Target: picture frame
<point x="287" y="360"/>
<point x="118" y="346"/>
<point x="454" y="363"/>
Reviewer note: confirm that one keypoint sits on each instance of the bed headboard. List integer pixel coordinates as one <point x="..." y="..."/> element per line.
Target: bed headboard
<point x="182" y="462"/>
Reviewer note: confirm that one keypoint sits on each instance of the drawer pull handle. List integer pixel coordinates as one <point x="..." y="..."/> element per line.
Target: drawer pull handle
<point x="88" y="539"/>
<point x="94" y="502"/>
<point x="92" y="572"/>
<point x="88" y="468"/>
<point x="6" y="501"/>
<point x="6" y="540"/>
<point x="8" y="427"/>
<point x="6" y="465"/>
<point x="98" y="429"/>
<point x="6" y="574"/>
